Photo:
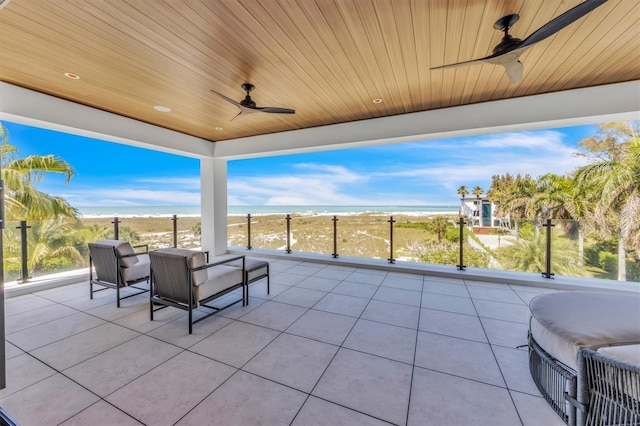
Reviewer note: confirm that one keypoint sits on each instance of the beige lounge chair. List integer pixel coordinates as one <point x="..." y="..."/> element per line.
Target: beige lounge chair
<point x="116" y="264"/>
<point x="183" y="279"/>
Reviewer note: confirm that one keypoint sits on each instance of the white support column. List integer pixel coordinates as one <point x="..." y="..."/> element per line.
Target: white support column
<point x="213" y="207"/>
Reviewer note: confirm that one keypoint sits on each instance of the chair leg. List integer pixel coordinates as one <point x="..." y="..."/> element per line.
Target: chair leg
<point x="245" y="292"/>
<point x="151" y="300"/>
<point x="90" y="278"/>
<point x="268" y="275"/>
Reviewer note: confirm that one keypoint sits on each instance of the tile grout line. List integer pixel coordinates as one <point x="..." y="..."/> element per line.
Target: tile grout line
<point x="332" y="359"/>
<point x="496" y="360"/>
<point x="415" y="353"/>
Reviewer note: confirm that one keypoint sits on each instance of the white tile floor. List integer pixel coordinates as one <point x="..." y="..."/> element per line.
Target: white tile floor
<point x="330" y="345"/>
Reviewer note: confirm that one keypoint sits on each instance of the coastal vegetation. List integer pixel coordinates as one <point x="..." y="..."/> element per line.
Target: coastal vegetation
<point x="595" y="212"/>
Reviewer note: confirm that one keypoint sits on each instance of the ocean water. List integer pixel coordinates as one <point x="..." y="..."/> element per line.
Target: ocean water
<point x="168" y="211"/>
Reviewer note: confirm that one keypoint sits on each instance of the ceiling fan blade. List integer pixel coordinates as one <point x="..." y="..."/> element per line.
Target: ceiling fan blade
<point x="561" y="21"/>
<point x="275" y="110"/>
<point x="244" y="111"/>
<point x="459" y="64"/>
<point x="231" y="101"/>
<point x="514" y="70"/>
<point x="237" y="115"/>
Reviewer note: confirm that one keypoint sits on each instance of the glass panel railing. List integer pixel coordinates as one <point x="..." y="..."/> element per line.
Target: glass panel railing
<point x="426" y="239"/>
<point x="188" y="229"/>
<point x="43" y="247"/>
<point x="565" y="258"/>
<point x="267" y="231"/>
<point x="12" y="251"/>
<point x="520" y="249"/>
<point x="98" y="228"/>
<point x="597" y="254"/>
<point x="238" y="231"/>
<point x="311" y="234"/>
<point x="157" y="232"/>
<point x="55" y="246"/>
<point x="364" y="235"/>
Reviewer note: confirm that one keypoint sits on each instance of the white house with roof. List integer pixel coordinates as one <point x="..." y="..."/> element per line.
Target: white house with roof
<point x="480" y="213"/>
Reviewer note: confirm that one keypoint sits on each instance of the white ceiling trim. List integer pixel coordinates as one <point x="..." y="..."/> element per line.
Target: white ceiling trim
<point x="613" y="102"/>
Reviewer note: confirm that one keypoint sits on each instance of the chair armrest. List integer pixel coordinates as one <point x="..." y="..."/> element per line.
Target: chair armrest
<point x="146" y="248"/>
<point x="222" y="262"/>
<point x="132" y="254"/>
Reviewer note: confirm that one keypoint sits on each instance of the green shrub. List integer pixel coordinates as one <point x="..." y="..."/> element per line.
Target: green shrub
<point x="608" y="261"/>
<point x="452" y="235"/>
<point x="57" y="264"/>
<point x="633" y="271"/>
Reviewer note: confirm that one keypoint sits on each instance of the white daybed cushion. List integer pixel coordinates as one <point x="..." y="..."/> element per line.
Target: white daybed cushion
<point x="563" y="323"/>
<point x="626" y="353"/>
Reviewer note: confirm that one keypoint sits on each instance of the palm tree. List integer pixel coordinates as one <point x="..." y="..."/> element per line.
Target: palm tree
<point x="439" y="225"/>
<point x="615" y="180"/>
<point x="477" y="191"/>
<point x="558" y="197"/>
<point x="463" y="191"/>
<point x="528" y="254"/>
<point x="21" y="175"/>
<point x="514" y="200"/>
<point x="49" y="243"/>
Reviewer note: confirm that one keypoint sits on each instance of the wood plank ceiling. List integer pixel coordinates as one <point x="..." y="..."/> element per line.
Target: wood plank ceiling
<point x="327" y="59"/>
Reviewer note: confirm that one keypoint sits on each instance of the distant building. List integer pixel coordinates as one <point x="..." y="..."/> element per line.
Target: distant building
<point x="480" y="213"/>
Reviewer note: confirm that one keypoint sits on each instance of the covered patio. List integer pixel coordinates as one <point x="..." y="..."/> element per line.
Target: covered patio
<point x="331" y="344"/>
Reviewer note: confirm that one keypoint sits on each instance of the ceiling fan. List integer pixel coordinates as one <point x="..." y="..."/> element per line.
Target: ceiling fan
<point x="507" y="52"/>
<point x="247" y="105"/>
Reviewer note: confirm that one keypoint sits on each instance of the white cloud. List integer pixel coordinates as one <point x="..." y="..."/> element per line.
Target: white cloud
<point x="124" y="196"/>
<point x="475" y="163"/>
<point x="417" y="173"/>
<point x="323" y="185"/>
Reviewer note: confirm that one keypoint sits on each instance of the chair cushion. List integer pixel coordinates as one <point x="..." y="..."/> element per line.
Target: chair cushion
<point x="195" y="259"/>
<point x="138" y="271"/>
<point x="122" y="248"/>
<point x="563" y="323"/>
<point x="254" y="268"/>
<point x="219" y="278"/>
<point x="626" y="353"/>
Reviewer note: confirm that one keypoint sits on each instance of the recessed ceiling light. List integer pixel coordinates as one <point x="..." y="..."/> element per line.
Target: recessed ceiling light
<point x="162" y="108"/>
<point x="72" y="76"/>
<point x="218" y="128"/>
<point x="377" y="101"/>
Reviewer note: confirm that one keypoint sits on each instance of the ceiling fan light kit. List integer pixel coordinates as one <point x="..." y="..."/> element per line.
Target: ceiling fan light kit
<point x="507" y="52"/>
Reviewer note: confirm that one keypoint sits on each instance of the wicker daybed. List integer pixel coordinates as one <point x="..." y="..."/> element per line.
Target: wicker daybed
<point x="565" y="330"/>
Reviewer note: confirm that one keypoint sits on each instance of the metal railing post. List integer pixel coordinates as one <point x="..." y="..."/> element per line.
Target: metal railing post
<point x="461" y="265"/>
<point x="175" y="230"/>
<point x="547" y="273"/>
<point x="335" y="237"/>
<point x="24" y="269"/>
<point x="249" y="231"/>
<point x="391" y="222"/>
<point x="116" y="228"/>
<point x="288" y="233"/>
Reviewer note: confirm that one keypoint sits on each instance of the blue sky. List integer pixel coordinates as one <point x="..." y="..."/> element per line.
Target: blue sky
<point x="417" y="173"/>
